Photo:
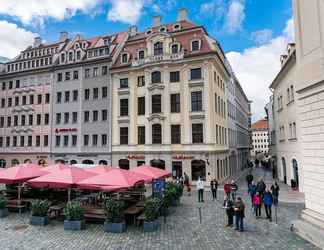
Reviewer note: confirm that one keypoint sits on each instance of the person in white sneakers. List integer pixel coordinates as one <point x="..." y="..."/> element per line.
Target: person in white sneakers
<point x="200" y="188"/>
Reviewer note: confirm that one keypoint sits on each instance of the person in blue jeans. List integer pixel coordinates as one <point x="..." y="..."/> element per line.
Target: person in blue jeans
<point x="239" y="214"/>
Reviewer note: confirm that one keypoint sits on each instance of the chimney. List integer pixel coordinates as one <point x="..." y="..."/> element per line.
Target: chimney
<point x="63" y="36"/>
<point x="182" y="15"/>
<point x="37" y="41"/>
<point x="156" y="21"/>
<point x="132" y="30"/>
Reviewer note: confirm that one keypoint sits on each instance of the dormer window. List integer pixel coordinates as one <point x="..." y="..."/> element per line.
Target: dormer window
<point x="141" y="54"/>
<point x="158" y="48"/>
<point x="176" y="27"/>
<point x="84" y="45"/>
<point x="195" y="45"/>
<point x="89" y="54"/>
<point x="62" y="58"/>
<point x="124" y="58"/>
<point x="163" y="29"/>
<point x="78" y="55"/>
<point x="70" y="56"/>
<point x="148" y="32"/>
<point x="175" y="48"/>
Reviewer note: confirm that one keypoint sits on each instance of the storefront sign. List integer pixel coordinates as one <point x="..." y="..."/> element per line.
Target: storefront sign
<point x="136" y="157"/>
<point x="64" y="130"/>
<point x="183" y="157"/>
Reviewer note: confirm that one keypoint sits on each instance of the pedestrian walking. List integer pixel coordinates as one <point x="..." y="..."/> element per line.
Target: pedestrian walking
<point x="261" y="186"/>
<point x="200" y="188"/>
<point x="214" y="187"/>
<point x="275" y="193"/>
<point x="227" y="189"/>
<point x="229" y="208"/>
<point x="239" y="214"/>
<point x="186" y="183"/>
<point x="234" y="189"/>
<point x="257" y="204"/>
<point x="252" y="191"/>
<point x="267" y="201"/>
<point x="249" y="179"/>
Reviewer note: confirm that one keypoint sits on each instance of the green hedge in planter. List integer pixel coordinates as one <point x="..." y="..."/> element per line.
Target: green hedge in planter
<point x="39" y="207"/>
<point x="3" y="201"/>
<point x="114" y="211"/>
<point x="151" y="209"/>
<point x="174" y="190"/>
<point x="73" y="211"/>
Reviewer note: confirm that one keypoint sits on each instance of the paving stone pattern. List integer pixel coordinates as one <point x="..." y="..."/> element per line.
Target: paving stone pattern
<point x="181" y="231"/>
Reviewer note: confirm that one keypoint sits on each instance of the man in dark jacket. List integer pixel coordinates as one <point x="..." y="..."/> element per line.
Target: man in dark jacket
<point x="249" y="179"/>
<point x="261" y="186"/>
<point x="229" y="207"/>
<point x="239" y="214"/>
<point x="275" y="193"/>
<point x="213" y="187"/>
<point x="234" y="188"/>
<point x="267" y="201"/>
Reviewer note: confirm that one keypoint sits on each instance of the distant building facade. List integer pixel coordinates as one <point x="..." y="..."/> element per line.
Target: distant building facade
<point x="260" y="138"/>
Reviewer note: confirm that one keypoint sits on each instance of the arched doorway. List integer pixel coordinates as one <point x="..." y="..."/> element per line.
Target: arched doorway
<point x="296" y="174"/>
<point x="158" y="163"/>
<point x="73" y="162"/>
<point x="14" y="162"/>
<point x="198" y="169"/>
<point x="103" y="162"/>
<point x="284" y="170"/>
<point x="123" y="164"/>
<point x="59" y="161"/>
<point x="27" y="161"/>
<point x="3" y="163"/>
<point x="89" y="162"/>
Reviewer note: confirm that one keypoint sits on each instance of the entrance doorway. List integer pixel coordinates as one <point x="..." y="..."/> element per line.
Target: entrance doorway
<point x="158" y="163"/>
<point x="176" y="169"/>
<point x="123" y="164"/>
<point x="296" y="174"/>
<point x="284" y="169"/>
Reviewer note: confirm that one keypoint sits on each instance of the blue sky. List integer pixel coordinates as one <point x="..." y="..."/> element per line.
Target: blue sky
<point x="245" y="28"/>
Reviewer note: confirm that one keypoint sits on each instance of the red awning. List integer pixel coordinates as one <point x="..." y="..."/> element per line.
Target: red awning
<point x="100" y="169"/>
<point x="115" y="177"/>
<point x="21" y="173"/>
<point x="152" y="172"/>
<point x="56" y="167"/>
<point x="61" y="179"/>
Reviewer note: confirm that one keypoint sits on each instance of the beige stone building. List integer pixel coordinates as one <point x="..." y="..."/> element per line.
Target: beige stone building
<point x="285" y="107"/>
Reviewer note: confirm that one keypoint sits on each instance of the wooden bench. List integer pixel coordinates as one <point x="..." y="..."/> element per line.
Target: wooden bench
<point x="94" y="214"/>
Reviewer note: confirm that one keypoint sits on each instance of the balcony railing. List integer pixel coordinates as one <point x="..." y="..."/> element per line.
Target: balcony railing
<point x="158" y="58"/>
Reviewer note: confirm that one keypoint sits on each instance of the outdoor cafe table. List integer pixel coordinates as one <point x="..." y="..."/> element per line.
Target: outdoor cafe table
<point x="57" y="210"/>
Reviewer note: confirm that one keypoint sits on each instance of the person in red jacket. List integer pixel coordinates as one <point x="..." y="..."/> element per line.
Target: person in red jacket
<point x="227" y="189"/>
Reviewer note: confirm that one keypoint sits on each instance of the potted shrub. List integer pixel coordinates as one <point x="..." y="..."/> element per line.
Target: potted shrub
<point x="115" y="218"/>
<point x="174" y="190"/>
<point x="165" y="203"/>
<point x="39" y="210"/>
<point x="151" y="212"/>
<point x="3" y="206"/>
<point x="73" y="216"/>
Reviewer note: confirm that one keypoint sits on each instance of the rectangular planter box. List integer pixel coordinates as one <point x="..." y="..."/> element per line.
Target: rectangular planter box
<point x="114" y="227"/>
<point x="74" y="225"/>
<point x="150" y="226"/>
<point x="4" y="212"/>
<point x="39" y="221"/>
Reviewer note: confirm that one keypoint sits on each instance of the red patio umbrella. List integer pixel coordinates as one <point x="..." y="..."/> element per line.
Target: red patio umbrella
<point x="56" y="167"/>
<point x="66" y="178"/>
<point x="21" y="173"/>
<point x="115" y="177"/>
<point x="152" y="172"/>
<point x="100" y="169"/>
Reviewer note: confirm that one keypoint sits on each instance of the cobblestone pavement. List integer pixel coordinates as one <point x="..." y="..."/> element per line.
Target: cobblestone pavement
<point x="181" y="231"/>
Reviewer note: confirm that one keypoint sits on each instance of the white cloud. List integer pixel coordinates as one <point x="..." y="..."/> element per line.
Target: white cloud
<point x="13" y="39"/>
<point x="215" y="9"/>
<point x="235" y="16"/>
<point x="38" y="11"/>
<point x="256" y="68"/>
<point x="126" y="11"/>
<point x="261" y="36"/>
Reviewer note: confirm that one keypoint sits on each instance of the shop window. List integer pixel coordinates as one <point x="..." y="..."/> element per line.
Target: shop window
<point x="3" y="163"/>
<point x="198" y="169"/>
<point x="103" y="162"/>
<point x="14" y="162"/>
<point x="158" y="163"/>
<point x="140" y="163"/>
<point x="176" y="169"/>
<point x="89" y="162"/>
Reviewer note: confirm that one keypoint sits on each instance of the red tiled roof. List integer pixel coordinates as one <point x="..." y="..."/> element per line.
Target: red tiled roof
<point x="260" y="125"/>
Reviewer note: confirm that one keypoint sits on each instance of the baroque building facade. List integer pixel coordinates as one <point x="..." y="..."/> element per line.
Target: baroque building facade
<point x="158" y="97"/>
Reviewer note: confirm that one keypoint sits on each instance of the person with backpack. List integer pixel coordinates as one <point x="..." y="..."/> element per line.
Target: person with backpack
<point x="252" y="191"/>
<point x="229" y="208"/>
<point x="239" y="214"/>
<point x="275" y="193"/>
<point x="268" y="201"/>
<point x="234" y="188"/>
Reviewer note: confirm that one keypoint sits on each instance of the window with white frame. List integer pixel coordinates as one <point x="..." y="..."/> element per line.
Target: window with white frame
<point x="195" y="45"/>
<point x="124" y="58"/>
